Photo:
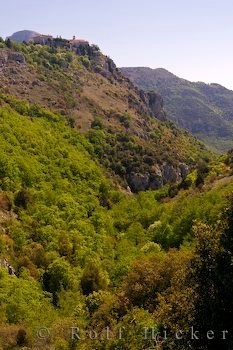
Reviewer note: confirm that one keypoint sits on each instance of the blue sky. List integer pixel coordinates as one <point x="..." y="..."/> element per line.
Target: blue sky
<point x="191" y="38"/>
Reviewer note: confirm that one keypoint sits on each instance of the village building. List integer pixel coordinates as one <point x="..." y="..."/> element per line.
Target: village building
<point x="42" y="39"/>
<point x="77" y="42"/>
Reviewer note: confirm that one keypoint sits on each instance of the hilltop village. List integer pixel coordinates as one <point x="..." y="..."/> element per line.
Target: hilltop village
<point x="99" y="63"/>
<point x="58" y="42"/>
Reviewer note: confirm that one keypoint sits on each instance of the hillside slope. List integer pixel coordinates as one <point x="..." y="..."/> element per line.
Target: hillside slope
<point x="73" y="250"/>
<point x="206" y="110"/>
<point x="127" y="127"/>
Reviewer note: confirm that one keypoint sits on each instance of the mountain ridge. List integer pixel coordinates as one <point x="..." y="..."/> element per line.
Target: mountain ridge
<point x="206" y="110"/>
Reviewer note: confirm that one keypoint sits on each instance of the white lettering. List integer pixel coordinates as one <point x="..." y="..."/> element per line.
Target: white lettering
<point x="75" y="333"/>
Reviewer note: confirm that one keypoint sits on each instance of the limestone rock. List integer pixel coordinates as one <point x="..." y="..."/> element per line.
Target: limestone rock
<point x="154" y="102"/>
<point x="170" y="174"/>
<point x="17" y="57"/>
<point x="139" y="182"/>
<point x="6" y="56"/>
<point x="3" y="57"/>
<point x="184" y="169"/>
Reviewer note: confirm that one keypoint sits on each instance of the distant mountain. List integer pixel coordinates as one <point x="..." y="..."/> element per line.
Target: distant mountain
<point x="206" y="110"/>
<point x="23" y="35"/>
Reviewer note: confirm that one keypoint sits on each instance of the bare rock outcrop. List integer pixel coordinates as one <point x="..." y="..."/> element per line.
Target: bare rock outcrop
<point x="154" y="102"/>
<point x="10" y="56"/>
<point x="3" y="57"/>
<point x="6" y="265"/>
<point x="162" y="175"/>
<point x="17" y="57"/>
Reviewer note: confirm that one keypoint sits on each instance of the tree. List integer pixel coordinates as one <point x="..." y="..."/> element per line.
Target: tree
<point x="212" y="277"/>
<point x="93" y="279"/>
<point x="9" y="43"/>
<point x="22" y="198"/>
<point x="205" y="281"/>
<point x="202" y="172"/>
<point x="57" y="277"/>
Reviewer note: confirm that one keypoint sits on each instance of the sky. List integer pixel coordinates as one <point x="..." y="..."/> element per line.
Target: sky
<point x="191" y="38"/>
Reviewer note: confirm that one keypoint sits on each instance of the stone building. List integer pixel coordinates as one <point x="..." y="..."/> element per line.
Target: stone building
<point x="42" y="39"/>
<point x="77" y="42"/>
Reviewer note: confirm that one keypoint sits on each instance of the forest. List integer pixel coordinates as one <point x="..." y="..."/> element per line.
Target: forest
<point x="86" y="263"/>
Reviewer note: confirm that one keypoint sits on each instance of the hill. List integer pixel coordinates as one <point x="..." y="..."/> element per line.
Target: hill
<point x="76" y="251"/>
<point x="84" y="262"/>
<point x="127" y="127"/>
<point x="206" y="110"/>
<point x="23" y="35"/>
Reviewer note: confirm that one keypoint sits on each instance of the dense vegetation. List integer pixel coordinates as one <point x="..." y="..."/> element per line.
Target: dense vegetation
<point x="86" y="255"/>
<point x="80" y="254"/>
<point x="204" y="110"/>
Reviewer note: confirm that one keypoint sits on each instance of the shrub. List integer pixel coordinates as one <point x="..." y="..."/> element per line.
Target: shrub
<point x="93" y="279"/>
<point x="57" y="277"/>
<point x="97" y="124"/>
<point x="22" y="198"/>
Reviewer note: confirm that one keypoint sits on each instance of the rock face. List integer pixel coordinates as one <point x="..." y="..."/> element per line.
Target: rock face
<point x="156" y="104"/>
<point x="154" y="101"/>
<point x="184" y="170"/>
<point x="142" y="182"/>
<point x="139" y="182"/>
<point x="17" y="57"/>
<point x="164" y="174"/>
<point x="5" y="264"/>
<point x="3" y="57"/>
<point x="170" y="174"/>
<point x="7" y="56"/>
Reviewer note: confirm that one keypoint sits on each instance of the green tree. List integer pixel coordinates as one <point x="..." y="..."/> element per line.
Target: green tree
<point x="212" y="277"/>
<point x="57" y="277"/>
<point x="9" y="43"/>
<point x="93" y="279"/>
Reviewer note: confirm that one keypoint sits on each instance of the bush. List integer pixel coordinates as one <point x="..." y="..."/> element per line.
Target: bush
<point x="93" y="279"/>
<point x="57" y="277"/>
<point x="22" y="198"/>
<point x="21" y="337"/>
<point x="97" y="124"/>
